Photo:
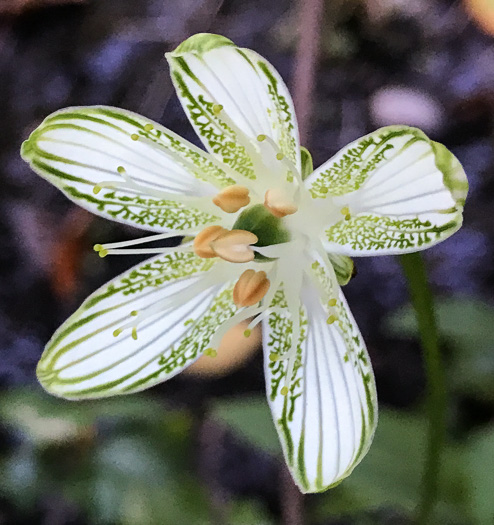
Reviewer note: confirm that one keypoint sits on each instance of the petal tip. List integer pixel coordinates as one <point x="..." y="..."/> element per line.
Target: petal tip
<point x="200" y="44"/>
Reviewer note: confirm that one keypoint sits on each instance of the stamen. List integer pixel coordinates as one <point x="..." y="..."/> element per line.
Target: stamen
<point x="251" y="287"/>
<point x="211" y="352"/>
<point x="217" y="108"/>
<point x="232" y="198"/>
<point x="277" y="202"/>
<point x="263" y="316"/>
<point x="346" y="212"/>
<point x="204" y="239"/>
<point x="107" y="184"/>
<point x="134" y="136"/>
<point x="234" y="246"/>
<point x="168" y="303"/>
<point x="141" y="240"/>
<point x="148" y="127"/>
<point x="282" y="157"/>
<point x="240" y="316"/>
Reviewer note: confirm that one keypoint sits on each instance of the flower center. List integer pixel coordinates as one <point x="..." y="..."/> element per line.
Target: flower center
<point x="264" y="225"/>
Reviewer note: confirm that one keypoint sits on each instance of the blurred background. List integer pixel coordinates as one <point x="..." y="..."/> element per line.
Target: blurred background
<point x="201" y="449"/>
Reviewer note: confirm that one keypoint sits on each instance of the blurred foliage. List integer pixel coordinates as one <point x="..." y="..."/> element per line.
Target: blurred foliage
<point x="467" y="327"/>
<point x="389" y="476"/>
<point x="124" y="460"/>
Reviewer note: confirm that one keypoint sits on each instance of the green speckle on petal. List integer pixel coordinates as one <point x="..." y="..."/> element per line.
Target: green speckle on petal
<point x="201" y="43"/>
<point x="454" y="177"/>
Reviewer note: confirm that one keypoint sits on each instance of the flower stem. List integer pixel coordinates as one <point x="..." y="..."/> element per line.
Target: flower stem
<point x="421" y="296"/>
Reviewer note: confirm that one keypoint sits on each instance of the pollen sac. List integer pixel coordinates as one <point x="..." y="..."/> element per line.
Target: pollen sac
<point x="231" y="199"/>
<point x="203" y="239"/>
<point x="250" y="288"/>
<point x="278" y="204"/>
<point x="234" y="246"/>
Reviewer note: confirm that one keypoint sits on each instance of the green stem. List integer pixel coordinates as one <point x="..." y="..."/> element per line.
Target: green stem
<point x="421" y="296"/>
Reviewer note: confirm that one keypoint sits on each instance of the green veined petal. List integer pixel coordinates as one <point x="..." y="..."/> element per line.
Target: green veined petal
<point x="231" y="96"/>
<point x="140" y="329"/>
<point x="403" y="193"/>
<point x="327" y="421"/>
<point x="78" y="148"/>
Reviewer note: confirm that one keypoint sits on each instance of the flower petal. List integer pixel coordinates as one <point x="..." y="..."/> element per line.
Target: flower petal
<point x="179" y="307"/>
<point x="326" y="422"/>
<point x="210" y="71"/>
<point x="172" y="181"/>
<point x="403" y="192"/>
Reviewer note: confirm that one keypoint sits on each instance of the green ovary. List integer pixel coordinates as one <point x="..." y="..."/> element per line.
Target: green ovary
<point x="262" y="223"/>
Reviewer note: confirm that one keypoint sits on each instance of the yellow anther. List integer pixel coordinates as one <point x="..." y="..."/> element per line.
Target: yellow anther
<point x="134" y="136"/>
<point x="278" y="203"/>
<point x="331" y="319"/>
<point x="203" y="240"/>
<point x="134" y="313"/>
<point x="103" y="252"/>
<point x="98" y="247"/>
<point x="247" y="333"/>
<point x="134" y="333"/>
<point x="280" y="156"/>
<point x="251" y="287"/>
<point x="121" y="170"/>
<point x="348" y="217"/>
<point x="149" y="127"/>
<point x="234" y="246"/>
<point x="332" y="302"/>
<point x="345" y="211"/>
<point x="273" y="357"/>
<point x="217" y="109"/>
<point x="261" y="137"/>
<point x="117" y="332"/>
<point x="96" y="189"/>
<point x="232" y="198"/>
<point x="211" y="352"/>
<point x="284" y="391"/>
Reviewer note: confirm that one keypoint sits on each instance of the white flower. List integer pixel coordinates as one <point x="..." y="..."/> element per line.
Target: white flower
<point x="268" y="245"/>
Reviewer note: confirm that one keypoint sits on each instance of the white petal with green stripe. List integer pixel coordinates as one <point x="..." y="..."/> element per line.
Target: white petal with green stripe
<point x="326" y="422"/>
<point x="403" y="193"/>
<point x="210" y="72"/>
<point x="138" y="330"/>
<point x="166" y="183"/>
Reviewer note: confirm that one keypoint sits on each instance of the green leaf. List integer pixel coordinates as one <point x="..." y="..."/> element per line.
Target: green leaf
<point x="480" y="475"/>
<point x="467" y="325"/>
<point x="251" y="419"/>
<point x="390" y="474"/>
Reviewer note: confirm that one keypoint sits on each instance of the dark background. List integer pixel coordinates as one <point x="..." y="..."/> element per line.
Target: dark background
<point x="201" y="449"/>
